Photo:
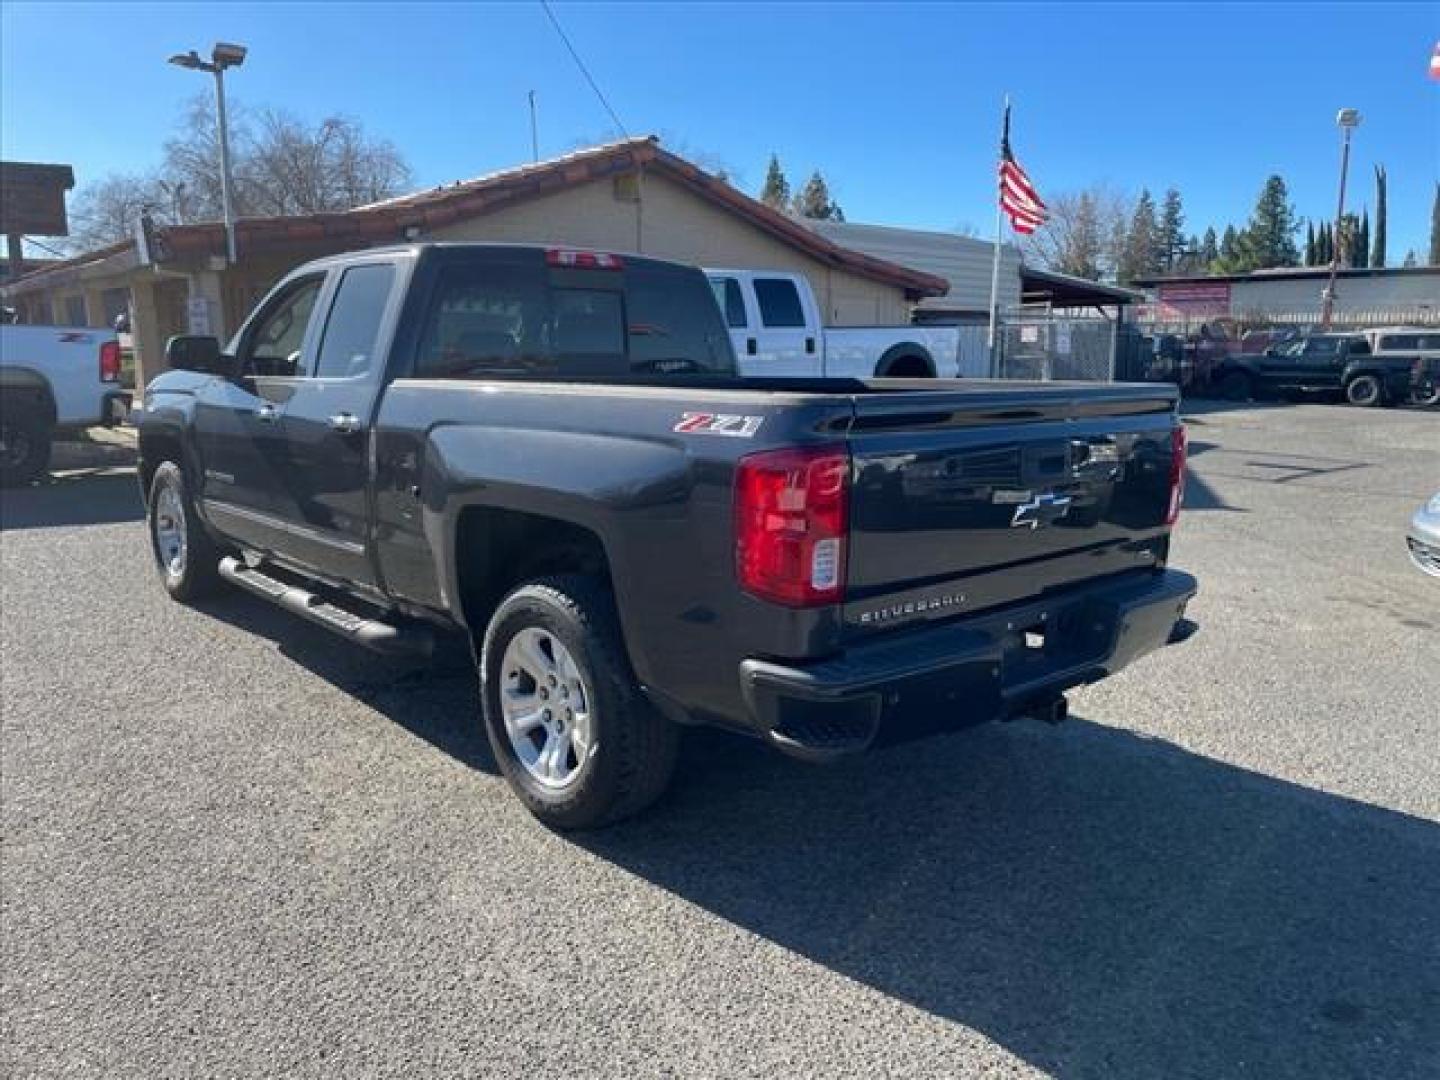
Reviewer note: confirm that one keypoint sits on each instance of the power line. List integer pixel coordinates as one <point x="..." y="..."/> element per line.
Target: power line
<point x="44" y="247"/>
<point x="583" y="69"/>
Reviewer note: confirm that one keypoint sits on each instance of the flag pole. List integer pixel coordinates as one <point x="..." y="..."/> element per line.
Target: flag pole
<point x="995" y="263"/>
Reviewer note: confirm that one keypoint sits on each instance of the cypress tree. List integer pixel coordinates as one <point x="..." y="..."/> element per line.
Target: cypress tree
<point x="1310" y="244"/>
<point x="1362" y="242"/>
<point x="1435" y="229"/>
<point x="1209" y="249"/>
<point x="776" y="192"/>
<point x="1377" y="252"/>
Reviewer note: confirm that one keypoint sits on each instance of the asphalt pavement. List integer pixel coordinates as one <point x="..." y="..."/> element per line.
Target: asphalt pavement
<point x="235" y="846"/>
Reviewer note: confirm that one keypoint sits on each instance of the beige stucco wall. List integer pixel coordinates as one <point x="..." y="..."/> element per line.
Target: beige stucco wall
<point x="672" y="223"/>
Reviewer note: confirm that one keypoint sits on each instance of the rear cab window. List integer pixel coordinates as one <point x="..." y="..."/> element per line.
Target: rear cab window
<point x="518" y="317"/>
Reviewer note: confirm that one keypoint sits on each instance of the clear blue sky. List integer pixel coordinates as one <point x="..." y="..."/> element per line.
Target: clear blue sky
<point x="896" y="104"/>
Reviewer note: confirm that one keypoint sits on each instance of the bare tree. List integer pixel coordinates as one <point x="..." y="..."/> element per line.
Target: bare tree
<point x="280" y="164"/>
<point x="1086" y="232"/>
<point x="105" y="212"/>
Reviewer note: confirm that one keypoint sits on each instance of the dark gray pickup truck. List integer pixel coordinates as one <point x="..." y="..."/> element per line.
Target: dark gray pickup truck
<point x="550" y="451"/>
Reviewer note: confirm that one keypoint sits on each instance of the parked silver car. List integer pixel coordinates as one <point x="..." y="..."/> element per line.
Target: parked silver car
<point x="1424" y="538"/>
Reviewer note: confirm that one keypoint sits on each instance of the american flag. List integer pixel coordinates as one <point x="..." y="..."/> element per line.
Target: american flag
<point x="1018" y="197"/>
<point x="1435" y="62"/>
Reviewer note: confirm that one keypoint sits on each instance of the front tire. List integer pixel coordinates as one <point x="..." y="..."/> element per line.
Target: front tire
<point x="1365" y="391"/>
<point x="24" y="449"/>
<point x="569" y="726"/>
<point x="185" y="556"/>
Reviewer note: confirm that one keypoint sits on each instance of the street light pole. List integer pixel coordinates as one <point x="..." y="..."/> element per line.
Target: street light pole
<point x="224" y="55"/>
<point x="227" y="207"/>
<point x="1348" y="120"/>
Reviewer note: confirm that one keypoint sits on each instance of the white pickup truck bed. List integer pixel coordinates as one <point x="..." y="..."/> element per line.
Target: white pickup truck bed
<point x="54" y="380"/>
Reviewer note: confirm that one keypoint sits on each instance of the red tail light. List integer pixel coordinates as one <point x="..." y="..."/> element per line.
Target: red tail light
<point x="109" y="361"/>
<point x="583" y="260"/>
<point x="792" y="516"/>
<point x="1178" y="443"/>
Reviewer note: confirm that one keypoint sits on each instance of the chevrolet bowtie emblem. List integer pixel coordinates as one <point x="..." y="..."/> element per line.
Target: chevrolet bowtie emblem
<point x="1041" y="510"/>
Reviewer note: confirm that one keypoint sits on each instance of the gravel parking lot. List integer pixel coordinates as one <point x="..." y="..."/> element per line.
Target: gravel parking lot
<point x="234" y="846"/>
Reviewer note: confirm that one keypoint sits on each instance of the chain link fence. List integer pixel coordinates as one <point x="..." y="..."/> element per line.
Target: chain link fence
<point x="1056" y="348"/>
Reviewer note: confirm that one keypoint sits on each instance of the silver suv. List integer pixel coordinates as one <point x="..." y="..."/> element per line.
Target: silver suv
<point x="1419" y="345"/>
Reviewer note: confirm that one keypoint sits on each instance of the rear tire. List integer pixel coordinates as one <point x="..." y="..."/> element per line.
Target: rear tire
<point x="560" y="635"/>
<point x="1236" y="386"/>
<point x="185" y="556"/>
<point x="1365" y="391"/>
<point x="24" y="449"/>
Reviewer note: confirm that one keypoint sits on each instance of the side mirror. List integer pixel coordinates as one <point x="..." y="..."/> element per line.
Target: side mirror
<point x="199" y="353"/>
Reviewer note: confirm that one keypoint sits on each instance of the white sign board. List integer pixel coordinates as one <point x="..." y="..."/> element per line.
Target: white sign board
<point x="197" y="314"/>
<point x="1062" y="338"/>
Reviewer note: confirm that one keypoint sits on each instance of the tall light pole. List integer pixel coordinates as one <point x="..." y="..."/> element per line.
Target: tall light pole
<point x="1347" y="120"/>
<point x="223" y="55"/>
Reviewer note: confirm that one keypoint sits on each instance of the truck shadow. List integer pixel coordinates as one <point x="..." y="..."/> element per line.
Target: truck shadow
<point x="1098" y="903"/>
<point x="436" y="701"/>
<point x="104" y="496"/>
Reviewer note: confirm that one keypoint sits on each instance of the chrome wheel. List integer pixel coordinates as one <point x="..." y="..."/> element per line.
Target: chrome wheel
<point x="546" y="707"/>
<point x="1364" y="390"/>
<point x="169" y="530"/>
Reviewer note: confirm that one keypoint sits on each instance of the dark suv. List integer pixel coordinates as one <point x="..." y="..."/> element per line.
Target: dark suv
<point x="1317" y="362"/>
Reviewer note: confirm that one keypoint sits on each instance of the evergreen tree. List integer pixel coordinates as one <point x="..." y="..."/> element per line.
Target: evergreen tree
<point x="1230" y="251"/>
<point x="1325" y="244"/>
<point x="1435" y="229"/>
<point x="1209" y="249"/>
<point x="1362" y="242"/>
<point x="1377" y="252"/>
<point x="1270" y="235"/>
<point x="1310" y="244"/>
<point x="1411" y="259"/>
<point x="1142" y="253"/>
<point x="1172" y="228"/>
<point x="814" y="200"/>
<point x="776" y="192"/>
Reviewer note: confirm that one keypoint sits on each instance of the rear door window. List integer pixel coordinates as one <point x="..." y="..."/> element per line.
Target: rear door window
<point x="352" y="330"/>
<point x="779" y="302"/>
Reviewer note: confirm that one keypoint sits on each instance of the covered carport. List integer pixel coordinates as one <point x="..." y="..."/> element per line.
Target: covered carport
<point x="1065" y="294"/>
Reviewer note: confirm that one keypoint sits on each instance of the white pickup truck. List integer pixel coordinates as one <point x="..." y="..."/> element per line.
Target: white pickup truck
<point x="776" y="328"/>
<point x="54" y="381"/>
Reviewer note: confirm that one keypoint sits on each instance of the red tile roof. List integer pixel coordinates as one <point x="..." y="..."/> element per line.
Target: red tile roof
<point x="387" y="221"/>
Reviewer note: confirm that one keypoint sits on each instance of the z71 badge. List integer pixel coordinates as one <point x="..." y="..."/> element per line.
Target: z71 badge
<point x="704" y="423"/>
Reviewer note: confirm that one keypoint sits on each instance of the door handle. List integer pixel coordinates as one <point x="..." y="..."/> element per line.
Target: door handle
<point x="267" y="414"/>
<point x="810" y="345"/>
<point x="751" y="346"/>
<point x="345" y="423"/>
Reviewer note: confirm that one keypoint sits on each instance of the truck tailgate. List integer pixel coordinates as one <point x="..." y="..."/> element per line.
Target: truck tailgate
<point x="968" y="498"/>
